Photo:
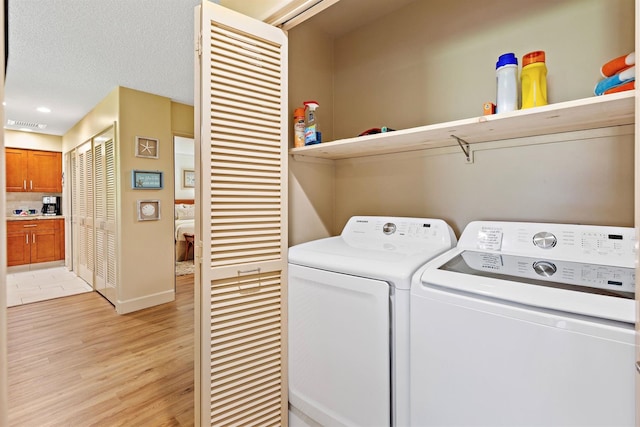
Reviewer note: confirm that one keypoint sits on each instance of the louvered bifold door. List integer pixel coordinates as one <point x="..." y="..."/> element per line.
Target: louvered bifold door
<point x="99" y="210"/>
<point x="242" y="222"/>
<point x="105" y="213"/>
<point x="73" y="176"/>
<point x="84" y="218"/>
<point x="110" y="216"/>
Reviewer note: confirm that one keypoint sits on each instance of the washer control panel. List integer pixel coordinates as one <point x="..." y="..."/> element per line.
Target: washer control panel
<point x="571" y="242"/>
<point x="612" y="278"/>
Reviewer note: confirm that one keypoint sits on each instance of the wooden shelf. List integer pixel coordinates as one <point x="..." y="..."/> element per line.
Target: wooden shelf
<point x="589" y="113"/>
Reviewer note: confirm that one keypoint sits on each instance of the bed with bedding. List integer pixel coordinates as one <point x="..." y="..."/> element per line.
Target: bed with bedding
<point x="184" y="224"/>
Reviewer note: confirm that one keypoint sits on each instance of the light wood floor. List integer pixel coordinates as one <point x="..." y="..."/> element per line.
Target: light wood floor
<point x="74" y="362"/>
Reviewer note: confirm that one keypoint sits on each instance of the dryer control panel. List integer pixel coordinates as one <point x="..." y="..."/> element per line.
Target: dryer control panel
<point x="380" y="232"/>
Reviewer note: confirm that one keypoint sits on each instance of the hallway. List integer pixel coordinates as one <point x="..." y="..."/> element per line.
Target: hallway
<point x="74" y="361"/>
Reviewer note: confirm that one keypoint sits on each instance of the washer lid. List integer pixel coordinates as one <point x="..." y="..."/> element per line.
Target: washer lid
<point x="384" y="248"/>
<point x="618" y="282"/>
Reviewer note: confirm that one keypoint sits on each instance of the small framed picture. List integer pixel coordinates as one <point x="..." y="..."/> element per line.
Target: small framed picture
<point x="188" y="178"/>
<point x="147" y="147"/>
<point x="148" y="210"/>
<point x="146" y="180"/>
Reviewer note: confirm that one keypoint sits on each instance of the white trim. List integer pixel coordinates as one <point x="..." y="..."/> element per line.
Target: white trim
<point x="135" y="304"/>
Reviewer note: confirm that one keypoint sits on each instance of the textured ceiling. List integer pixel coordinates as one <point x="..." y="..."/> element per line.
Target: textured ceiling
<point x="69" y="54"/>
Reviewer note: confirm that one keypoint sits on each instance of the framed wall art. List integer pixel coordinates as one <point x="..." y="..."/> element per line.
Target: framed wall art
<point x="147" y="180"/>
<point x="188" y="178"/>
<point x="148" y="210"/>
<point x="147" y="147"/>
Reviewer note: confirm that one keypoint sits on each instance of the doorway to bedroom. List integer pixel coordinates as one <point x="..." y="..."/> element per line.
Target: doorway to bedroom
<point x="184" y="204"/>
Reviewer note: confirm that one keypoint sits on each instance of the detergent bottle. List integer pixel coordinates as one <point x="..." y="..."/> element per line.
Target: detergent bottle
<point x="312" y="133"/>
<point x="534" y="79"/>
<point x="506" y="83"/>
<point x="298" y="127"/>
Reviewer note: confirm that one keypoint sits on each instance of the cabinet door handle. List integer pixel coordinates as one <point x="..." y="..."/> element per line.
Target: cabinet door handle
<point x="31" y="184"/>
<point x="27" y="236"/>
<point x="33" y="238"/>
<point x="24" y="184"/>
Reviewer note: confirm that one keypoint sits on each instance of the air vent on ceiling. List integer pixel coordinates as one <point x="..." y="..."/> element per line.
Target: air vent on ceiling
<point x="26" y="124"/>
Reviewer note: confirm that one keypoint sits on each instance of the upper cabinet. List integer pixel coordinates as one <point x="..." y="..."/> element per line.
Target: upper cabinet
<point x="426" y="69"/>
<point x="33" y="171"/>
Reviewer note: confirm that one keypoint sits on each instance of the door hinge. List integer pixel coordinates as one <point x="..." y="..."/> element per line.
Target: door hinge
<point x="199" y="45"/>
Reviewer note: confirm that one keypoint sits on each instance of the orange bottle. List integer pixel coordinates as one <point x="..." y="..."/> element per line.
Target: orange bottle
<point x="298" y="127"/>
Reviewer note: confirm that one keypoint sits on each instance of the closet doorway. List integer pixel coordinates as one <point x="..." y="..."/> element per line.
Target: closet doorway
<point x="184" y="196"/>
<point x="94" y="210"/>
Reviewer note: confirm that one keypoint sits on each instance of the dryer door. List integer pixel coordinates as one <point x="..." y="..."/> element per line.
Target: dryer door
<point x="339" y="358"/>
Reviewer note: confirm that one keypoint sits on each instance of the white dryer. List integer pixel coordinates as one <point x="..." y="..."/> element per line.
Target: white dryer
<point x="348" y="317"/>
<point x="526" y="324"/>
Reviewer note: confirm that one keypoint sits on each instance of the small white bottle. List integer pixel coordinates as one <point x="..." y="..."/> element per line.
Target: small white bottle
<point x="506" y="83"/>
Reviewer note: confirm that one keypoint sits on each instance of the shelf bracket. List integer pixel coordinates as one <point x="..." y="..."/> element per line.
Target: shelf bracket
<point x="465" y="147"/>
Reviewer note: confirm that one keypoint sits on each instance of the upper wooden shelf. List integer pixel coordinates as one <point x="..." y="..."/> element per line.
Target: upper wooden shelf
<point x="589" y="113"/>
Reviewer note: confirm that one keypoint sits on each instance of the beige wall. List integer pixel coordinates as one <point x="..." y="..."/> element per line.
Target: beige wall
<point x="32" y="140"/>
<point x="574" y="180"/>
<point x="311" y="188"/>
<point x="434" y="61"/>
<point x="147" y="268"/>
<point x="431" y="62"/>
<point x="182" y="120"/>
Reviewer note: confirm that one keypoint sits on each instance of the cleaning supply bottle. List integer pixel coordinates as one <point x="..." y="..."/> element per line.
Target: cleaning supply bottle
<point x="298" y="127"/>
<point x="312" y="133"/>
<point x="506" y="83"/>
<point x="534" y="79"/>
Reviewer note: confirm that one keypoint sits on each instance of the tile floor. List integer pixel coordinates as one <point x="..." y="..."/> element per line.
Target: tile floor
<point x="39" y="285"/>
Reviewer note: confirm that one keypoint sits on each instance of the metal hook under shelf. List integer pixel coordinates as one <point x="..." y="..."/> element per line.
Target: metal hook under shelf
<point x="466" y="148"/>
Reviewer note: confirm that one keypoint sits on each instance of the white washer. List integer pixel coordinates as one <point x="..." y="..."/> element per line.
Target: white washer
<point x="348" y="320"/>
<point x="526" y="324"/>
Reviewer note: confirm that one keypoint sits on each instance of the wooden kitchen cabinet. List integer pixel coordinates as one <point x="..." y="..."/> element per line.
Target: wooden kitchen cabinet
<point x="33" y="170"/>
<point x="34" y="241"/>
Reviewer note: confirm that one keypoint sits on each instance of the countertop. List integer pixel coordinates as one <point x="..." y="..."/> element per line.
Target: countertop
<point x="33" y="217"/>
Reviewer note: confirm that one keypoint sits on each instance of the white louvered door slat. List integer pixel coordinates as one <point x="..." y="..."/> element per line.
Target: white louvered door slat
<point x="241" y="225"/>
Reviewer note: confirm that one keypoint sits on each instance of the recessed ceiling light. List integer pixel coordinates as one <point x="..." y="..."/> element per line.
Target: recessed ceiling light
<point x="44" y="109"/>
<point x="26" y="130"/>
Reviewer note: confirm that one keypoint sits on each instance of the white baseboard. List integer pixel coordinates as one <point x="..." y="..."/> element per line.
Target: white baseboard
<point x="140" y="303"/>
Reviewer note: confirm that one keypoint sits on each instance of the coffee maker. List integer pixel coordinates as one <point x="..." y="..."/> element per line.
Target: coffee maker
<point x="51" y="205"/>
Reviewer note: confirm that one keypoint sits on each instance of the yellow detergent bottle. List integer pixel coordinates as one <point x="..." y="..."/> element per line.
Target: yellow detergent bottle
<point x="534" y="80"/>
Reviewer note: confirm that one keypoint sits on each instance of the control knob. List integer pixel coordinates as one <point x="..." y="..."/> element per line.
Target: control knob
<point x="544" y="240"/>
<point x="389" y="228"/>
<point x="544" y="268"/>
